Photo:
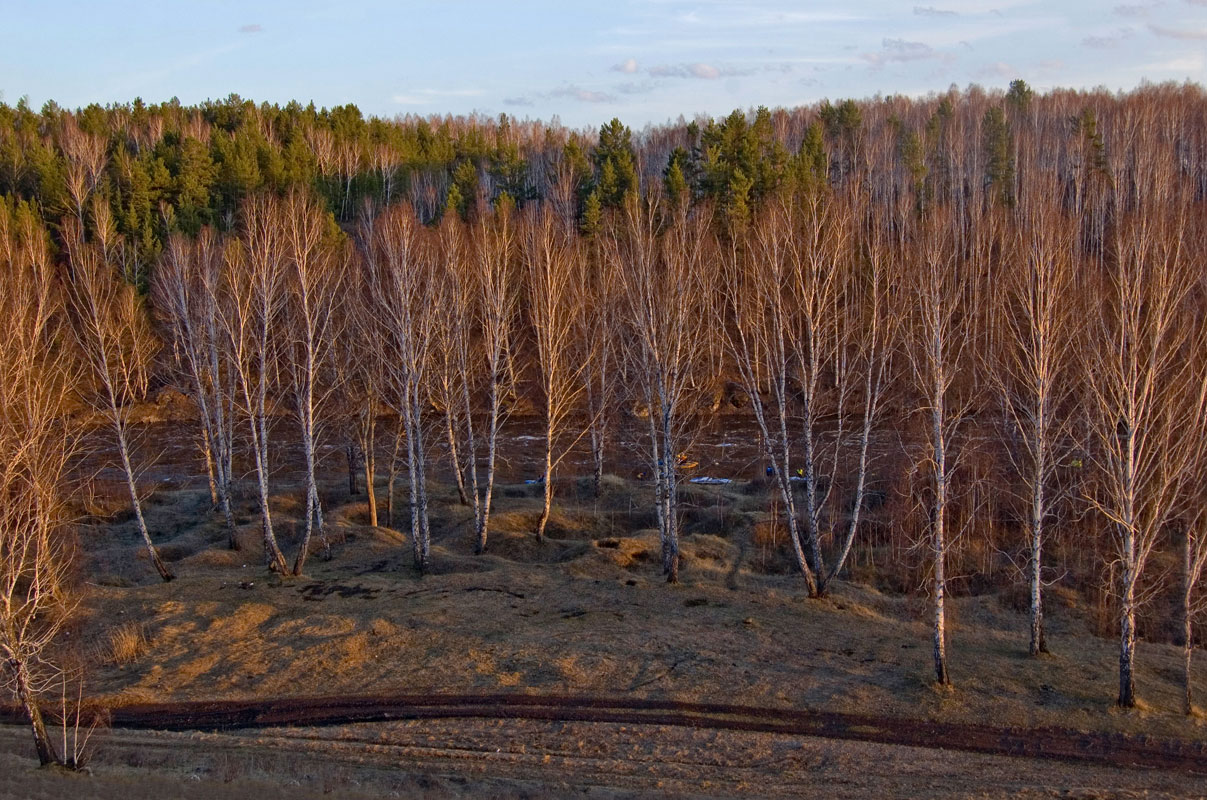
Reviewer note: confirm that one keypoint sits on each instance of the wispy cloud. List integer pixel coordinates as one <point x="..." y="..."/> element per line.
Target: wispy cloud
<point x="1102" y="39"/>
<point x="251" y="28"/>
<point x="637" y="87"/>
<point x="1000" y="70"/>
<point x="931" y="11"/>
<point x="699" y="70"/>
<point x="900" y="50"/>
<point x="745" y="17"/>
<point x="569" y="91"/>
<point x="1185" y="34"/>
<point x="968" y="29"/>
<point x="582" y="95"/>
<point x="628" y="66"/>
<point x="1131" y="10"/>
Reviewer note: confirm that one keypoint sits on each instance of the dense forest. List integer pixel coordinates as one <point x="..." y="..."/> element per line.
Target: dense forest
<point x="983" y="311"/>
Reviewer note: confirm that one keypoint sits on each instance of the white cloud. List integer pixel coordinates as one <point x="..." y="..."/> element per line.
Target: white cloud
<point x="628" y="66"/>
<point x="251" y="28"/>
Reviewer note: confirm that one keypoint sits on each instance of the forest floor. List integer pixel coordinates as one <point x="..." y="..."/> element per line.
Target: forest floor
<point x="586" y="612"/>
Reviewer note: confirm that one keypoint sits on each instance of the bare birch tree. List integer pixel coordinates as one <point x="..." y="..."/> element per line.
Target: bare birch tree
<point x="1032" y="374"/>
<point x="1194" y="534"/>
<point x="554" y="266"/>
<point x="399" y="259"/>
<point x="757" y="279"/>
<point x="252" y="298"/>
<point x="811" y="333"/>
<point x="814" y="286"/>
<point x="186" y="291"/>
<point x="453" y="372"/>
<point x="1138" y="392"/>
<point x="495" y="284"/>
<point x="363" y="384"/>
<point x="1194" y="544"/>
<point x="868" y="324"/>
<point x="85" y="158"/>
<point x="312" y="320"/>
<point x="937" y="352"/>
<point x="667" y="287"/>
<point x="597" y="336"/>
<point x="117" y="344"/>
<point x="36" y="445"/>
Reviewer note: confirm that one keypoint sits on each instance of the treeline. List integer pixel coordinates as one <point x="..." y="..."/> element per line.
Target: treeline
<point x="167" y="167"/>
<point x="1009" y="286"/>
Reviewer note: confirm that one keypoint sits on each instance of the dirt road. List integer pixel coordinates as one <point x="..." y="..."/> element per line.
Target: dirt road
<point x="1119" y="750"/>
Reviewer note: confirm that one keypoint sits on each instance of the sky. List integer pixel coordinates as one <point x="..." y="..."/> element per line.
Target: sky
<point x="644" y="61"/>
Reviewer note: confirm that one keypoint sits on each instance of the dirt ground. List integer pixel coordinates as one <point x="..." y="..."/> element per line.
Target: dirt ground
<point x="584" y="612"/>
<point x="529" y="759"/>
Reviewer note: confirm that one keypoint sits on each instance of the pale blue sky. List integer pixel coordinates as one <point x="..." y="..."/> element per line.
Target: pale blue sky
<point x="641" y="60"/>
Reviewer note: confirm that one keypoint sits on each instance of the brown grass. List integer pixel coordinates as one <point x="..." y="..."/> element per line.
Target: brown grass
<point x="106" y="501"/>
<point x="126" y="644"/>
<point x="588" y="611"/>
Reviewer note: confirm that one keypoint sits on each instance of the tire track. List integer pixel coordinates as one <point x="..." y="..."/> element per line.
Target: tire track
<point x="1112" y="749"/>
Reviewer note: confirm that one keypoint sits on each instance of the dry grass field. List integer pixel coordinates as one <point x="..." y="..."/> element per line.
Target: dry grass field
<point x="585" y="612"/>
